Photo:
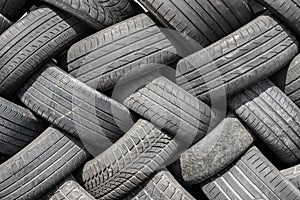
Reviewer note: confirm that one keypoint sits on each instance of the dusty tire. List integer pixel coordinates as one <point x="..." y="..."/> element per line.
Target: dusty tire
<point x="221" y="147"/>
<point x="124" y="48"/>
<point x="39" y="36"/>
<point x="75" y="108"/>
<point x="161" y="186"/>
<point x="129" y="162"/>
<point x="40" y="165"/>
<point x="252" y="177"/>
<point x="272" y="116"/>
<point x="18" y="127"/>
<point x="204" y="21"/>
<point x="245" y="57"/>
<point x="171" y="108"/>
<point x="98" y="14"/>
<point x="4" y="23"/>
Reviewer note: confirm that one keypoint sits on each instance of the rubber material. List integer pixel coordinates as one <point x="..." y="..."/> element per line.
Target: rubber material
<point x="293" y="174"/>
<point x="4" y="23"/>
<point x="13" y="9"/>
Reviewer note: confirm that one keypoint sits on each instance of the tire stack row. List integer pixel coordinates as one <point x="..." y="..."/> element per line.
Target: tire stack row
<point x="149" y="99"/>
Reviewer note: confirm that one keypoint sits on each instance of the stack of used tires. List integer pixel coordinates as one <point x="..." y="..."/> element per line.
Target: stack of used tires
<point x="149" y="99"/>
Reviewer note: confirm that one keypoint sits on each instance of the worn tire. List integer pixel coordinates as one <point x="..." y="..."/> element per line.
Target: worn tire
<point x="102" y="59"/>
<point x="162" y="186"/>
<point x="76" y="108"/>
<point x="30" y="42"/>
<point x="129" y="162"/>
<point x="40" y="165"/>
<point x="4" y="23"/>
<point x="252" y="177"/>
<point x="221" y="147"/>
<point x="272" y="116"/>
<point x="286" y="10"/>
<point x="205" y="21"/>
<point x="98" y="14"/>
<point x="293" y="175"/>
<point x="171" y="108"/>
<point x="245" y="57"/>
<point x="18" y="127"/>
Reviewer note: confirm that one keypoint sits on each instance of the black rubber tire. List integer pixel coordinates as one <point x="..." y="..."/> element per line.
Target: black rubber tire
<point x="286" y="10"/>
<point x="18" y="127"/>
<point x="293" y="174"/>
<point x="216" y="151"/>
<point x="39" y="36"/>
<point x="76" y="108"/>
<point x="13" y="9"/>
<point x="205" y="21"/>
<point x="171" y="108"/>
<point x="273" y="117"/>
<point x="40" y="166"/>
<point x="252" y="177"/>
<point x="129" y="162"/>
<point x="69" y="189"/>
<point x="288" y="80"/>
<point x="162" y="186"/>
<point x="102" y="59"/>
<point x="245" y="57"/>
<point x="4" y="23"/>
<point x="99" y="14"/>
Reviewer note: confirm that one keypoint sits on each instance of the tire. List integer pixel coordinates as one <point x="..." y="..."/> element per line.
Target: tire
<point x="30" y="42"/>
<point x="162" y="186"/>
<point x="13" y="10"/>
<point x="252" y="177"/>
<point x="129" y="162"/>
<point x="221" y="147"/>
<point x="288" y="80"/>
<point x="40" y="166"/>
<point x="286" y="10"/>
<point x="171" y="108"/>
<point x="102" y="59"/>
<point x="75" y="108"/>
<point x="4" y="23"/>
<point x="292" y="174"/>
<point x="99" y="14"/>
<point x="245" y="57"/>
<point x="69" y="189"/>
<point x="273" y="117"/>
<point x="18" y="127"/>
<point x="201" y="20"/>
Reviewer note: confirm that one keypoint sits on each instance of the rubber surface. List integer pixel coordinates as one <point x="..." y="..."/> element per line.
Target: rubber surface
<point x="204" y="21"/>
<point x="40" y="166"/>
<point x="272" y="116"/>
<point x="39" y="36"/>
<point x="129" y="162"/>
<point x="221" y="147"/>
<point x="293" y="174"/>
<point x="13" y="9"/>
<point x="161" y="186"/>
<point x="245" y="57"/>
<point x="76" y="108"/>
<point x="171" y="108"/>
<point x="98" y="14"/>
<point x="18" y="127"/>
<point x="252" y="177"/>
<point x="131" y="46"/>
<point x="4" y="23"/>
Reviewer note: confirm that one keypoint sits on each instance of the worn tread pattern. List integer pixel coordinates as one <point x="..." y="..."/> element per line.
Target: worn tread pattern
<point x="18" y="127"/>
<point x="4" y="23"/>
<point x="221" y="147"/>
<point x="293" y="175"/>
<point x="129" y="162"/>
<point x="205" y="21"/>
<point x="75" y="108"/>
<point x="171" y="108"/>
<point x="33" y="40"/>
<point x="162" y="186"/>
<point x="99" y="14"/>
<point x="286" y="10"/>
<point x="252" y="177"/>
<point x="245" y="57"/>
<point x="272" y="116"/>
<point x="102" y="59"/>
<point x="40" y="165"/>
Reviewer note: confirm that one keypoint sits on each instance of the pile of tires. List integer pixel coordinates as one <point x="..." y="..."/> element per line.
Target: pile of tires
<point x="149" y="99"/>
